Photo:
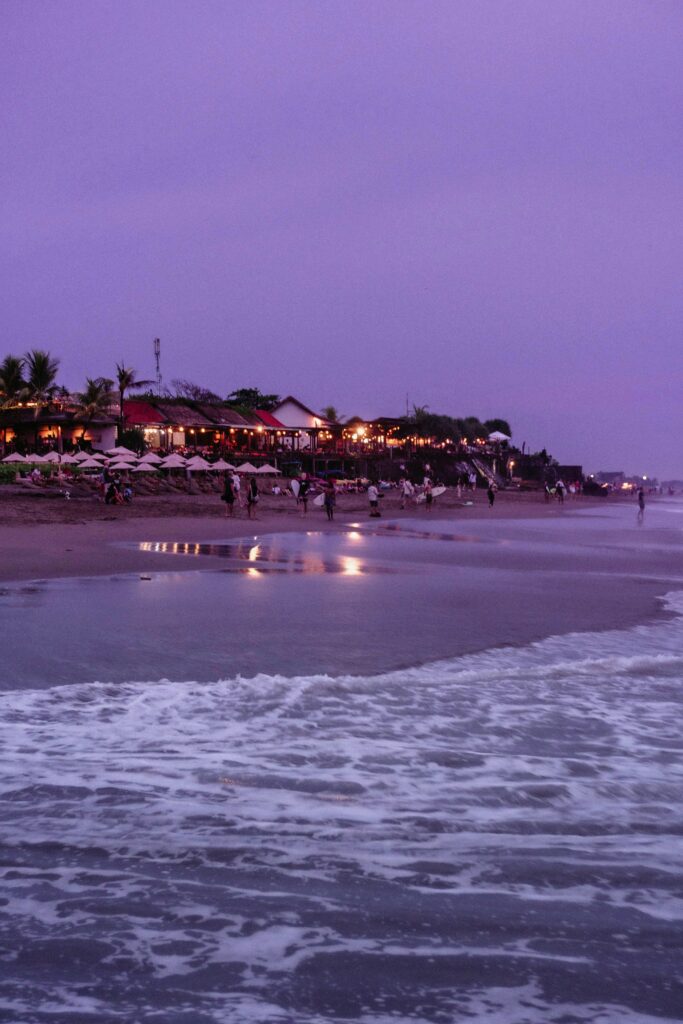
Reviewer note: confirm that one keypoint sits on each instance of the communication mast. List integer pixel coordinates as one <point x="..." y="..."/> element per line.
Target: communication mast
<point x="157" y="357"/>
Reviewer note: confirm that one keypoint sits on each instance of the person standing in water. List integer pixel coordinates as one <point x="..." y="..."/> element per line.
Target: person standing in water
<point x="491" y="493"/>
<point x="641" y="504"/>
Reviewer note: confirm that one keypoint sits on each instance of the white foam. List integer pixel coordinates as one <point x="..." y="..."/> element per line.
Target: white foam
<point x="547" y="776"/>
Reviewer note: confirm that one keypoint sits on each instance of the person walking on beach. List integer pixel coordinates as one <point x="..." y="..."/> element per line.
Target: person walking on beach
<point x="428" y="495"/>
<point x="330" y="499"/>
<point x="252" y="498"/>
<point x="228" y="496"/>
<point x="237" y="487"/>
<point x="406" y="490"/>
<point x="304" y="488"/>
<point x="559" y="491"/>
<point x="373" y="498"/>
<point x="491" y="493"/>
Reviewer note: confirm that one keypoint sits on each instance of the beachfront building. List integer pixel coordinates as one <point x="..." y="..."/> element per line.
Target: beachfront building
<point x="311" y="427"/>
<point x="167" y="424"/>
<point x="57" y="426"/>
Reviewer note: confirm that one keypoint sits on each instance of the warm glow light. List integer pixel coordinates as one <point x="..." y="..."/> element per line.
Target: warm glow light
<point x="253" y="553"/>
<point x="351" y="566"/>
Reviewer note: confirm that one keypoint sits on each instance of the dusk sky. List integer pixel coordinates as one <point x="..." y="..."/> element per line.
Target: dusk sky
<point x="477" y="204"/>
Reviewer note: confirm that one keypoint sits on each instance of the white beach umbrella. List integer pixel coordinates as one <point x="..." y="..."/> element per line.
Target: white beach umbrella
<point x="497" y="435"/>
<point x="90" y="464"/>
<point x="51" y="457"/>
<point x="172" y="462"/>
<point x="197" y="463"/>
<point x="272" y="470"/>
<point x="36" y="459"/>
<point x="145" y="467"/>
<point x="69" y="460"/>
<point x="121" y="451"/>
<point x="15" y="457"/>
<point x="81" y="456"/>
<point x="120" y="464"/>
<point x="220" y="466"/>
<point x="151" y="457"/>
<point x="247" y="467"/>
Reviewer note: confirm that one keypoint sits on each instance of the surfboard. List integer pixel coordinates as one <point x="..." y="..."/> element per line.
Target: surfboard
<point x="319" y="499"/>
<point x="294" y="484"/>
<point x="436" y="491"/>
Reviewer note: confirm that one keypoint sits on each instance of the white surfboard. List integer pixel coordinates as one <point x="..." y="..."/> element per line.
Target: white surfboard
<point x="294" y="484"/>
<point x="436" y="491"/>
<point x="319" y="500"/>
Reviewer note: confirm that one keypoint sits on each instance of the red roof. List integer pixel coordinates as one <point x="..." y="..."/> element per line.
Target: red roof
<point x="139" y="413"/>
<point x="268" y="419"/>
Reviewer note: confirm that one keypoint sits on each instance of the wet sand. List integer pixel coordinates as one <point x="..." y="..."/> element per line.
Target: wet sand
<point x="45" y="537"/>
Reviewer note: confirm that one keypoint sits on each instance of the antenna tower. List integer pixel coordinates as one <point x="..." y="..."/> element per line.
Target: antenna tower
<point x="157" y="357"/>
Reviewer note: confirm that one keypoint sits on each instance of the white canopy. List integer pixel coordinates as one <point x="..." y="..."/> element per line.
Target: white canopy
<point x="90" y="464"/>
<point x="121" y="451"/>
<point x="51" y="457"/>
<point x="269" y="469"/>
<point x="145" y="467"/>
<point x="247" y="467"/>
<point x="197" y="463"/>
<point x="172" y="462"/>
<point x="121" y="464"/>
<point x="15" y="457"/>
<point x="151" y="457"/>
<point x="220" y="465"/>
<point x="69" y="460"/>
<point x="35" y="459"/>
<point x="82" y="456"/>
<point x="498" y="436"/>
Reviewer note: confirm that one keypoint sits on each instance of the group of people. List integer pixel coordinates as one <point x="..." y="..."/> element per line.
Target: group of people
<point x="232" y="494"/>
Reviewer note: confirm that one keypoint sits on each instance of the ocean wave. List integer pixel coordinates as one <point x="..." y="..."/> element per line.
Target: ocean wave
<point x="239" y="849"/>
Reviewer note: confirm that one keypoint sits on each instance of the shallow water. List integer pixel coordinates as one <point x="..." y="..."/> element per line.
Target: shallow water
<point x="493" y="837"/>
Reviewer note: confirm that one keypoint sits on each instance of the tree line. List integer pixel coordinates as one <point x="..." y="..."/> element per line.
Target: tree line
<point x="33" y="378"/>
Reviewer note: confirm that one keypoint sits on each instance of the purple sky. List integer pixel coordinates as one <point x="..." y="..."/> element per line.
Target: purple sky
<point x="478" y="203"/>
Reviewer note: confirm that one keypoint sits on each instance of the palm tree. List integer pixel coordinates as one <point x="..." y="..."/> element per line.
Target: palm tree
<point x="126" y="379"/>
<point x="331" y="413"/>
<point x="41" y="379"/>
<point x="12" y="387"/>
<point x="12" y="383"/>
<point x="95" y="400"/>
<point x="41" y="376"/>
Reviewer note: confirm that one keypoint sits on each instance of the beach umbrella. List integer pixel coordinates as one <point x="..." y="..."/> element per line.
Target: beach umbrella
<point x="15" y="457"/>
<point x="36" y="459"/>
<point x="121" y="464"/>
<point x="172" y="462"/>
<point x="90" y="464"/>
<point x="81" y="456"/>
<point x="69" y="460"/>
<point x="151" y="457"/>
<point x="197" y="463"/>
<point x="269" y="469"/>
<point x="51" y="457"/>
<point x="121" y="451"/>
<point x="145" y="467"/>
<point x="498" y="436"/>
<point x="247" y="467"/>
<point x="220" y="465"/>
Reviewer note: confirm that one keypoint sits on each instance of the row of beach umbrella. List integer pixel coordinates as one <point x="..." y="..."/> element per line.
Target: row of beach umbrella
<point x="122" y="459"/>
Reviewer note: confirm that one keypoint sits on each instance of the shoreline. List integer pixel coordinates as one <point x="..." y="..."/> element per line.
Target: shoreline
<point x="473" y="583"/>
<point x="52" y="539"/>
